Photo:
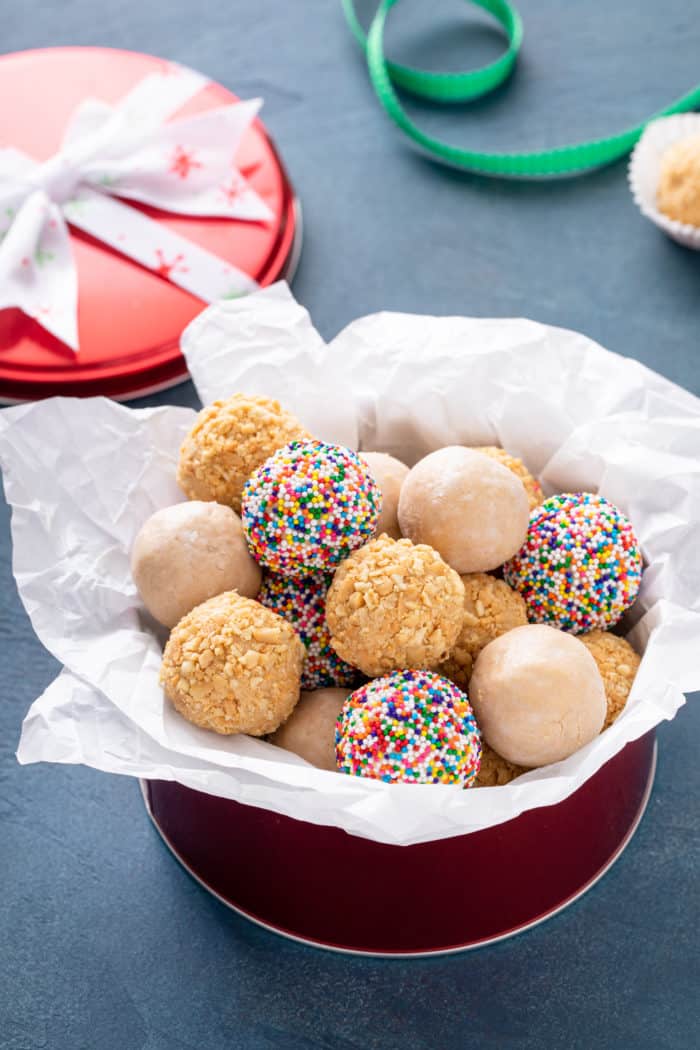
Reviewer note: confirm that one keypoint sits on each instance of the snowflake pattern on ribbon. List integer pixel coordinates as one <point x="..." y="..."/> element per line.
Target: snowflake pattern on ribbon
<point x="235" y="188"/>
<point x="183" y="161"/>
<point x="165" y="269"/>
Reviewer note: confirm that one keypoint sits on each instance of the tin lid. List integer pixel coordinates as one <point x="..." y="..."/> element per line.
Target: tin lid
<point x="129" y="318"/>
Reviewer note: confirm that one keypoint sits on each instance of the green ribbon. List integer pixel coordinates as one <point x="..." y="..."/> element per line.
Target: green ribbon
<point x="461" y="87"/>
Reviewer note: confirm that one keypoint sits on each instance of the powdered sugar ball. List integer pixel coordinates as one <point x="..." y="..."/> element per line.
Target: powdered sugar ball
<point x="187" y="553"/>
<point x="532" y="487"/>
<point x="470" y="508"/>
<point x="537" y="695"/>
<point x="390" y="474"/>
<point x="310" y="729"/>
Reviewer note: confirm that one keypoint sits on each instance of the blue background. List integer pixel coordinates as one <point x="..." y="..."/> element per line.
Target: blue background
<point x="105" y="944"/>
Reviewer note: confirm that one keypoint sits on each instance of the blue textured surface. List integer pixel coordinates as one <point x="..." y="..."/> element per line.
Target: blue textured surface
<point x="105" y="944"/>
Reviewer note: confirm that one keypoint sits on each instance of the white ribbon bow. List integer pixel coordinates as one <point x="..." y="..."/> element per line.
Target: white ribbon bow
<point x="184" y="166"/>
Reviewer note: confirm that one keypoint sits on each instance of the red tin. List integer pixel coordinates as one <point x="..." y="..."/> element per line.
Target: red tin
<point x="333" y="890"/>
<point x="129" y="319"/>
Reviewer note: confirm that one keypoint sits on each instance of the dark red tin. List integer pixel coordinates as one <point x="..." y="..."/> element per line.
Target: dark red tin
<point x="325" y="887"/>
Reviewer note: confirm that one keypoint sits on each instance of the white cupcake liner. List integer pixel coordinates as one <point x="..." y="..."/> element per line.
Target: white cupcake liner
<point x="645" y="169"/>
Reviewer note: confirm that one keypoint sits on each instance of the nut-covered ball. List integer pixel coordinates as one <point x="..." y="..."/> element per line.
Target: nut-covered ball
<point x="495" y="770"/>
<point x="491" y="608"/>
<point x="390" y="474"/>
<point x="394" y="604"/>
<point x="187" y="553"/>
<point x="678" y="193"/>
<point x="229" y="440"/>
<point x="310" y="729"/>
<point x="532" y="487"/>
<point x="471" y="509"/>
<point x="308" y="506"/>
<point x="618" y="664"/>
<point x="232" y="666"/>
<point x="537" y="695"/>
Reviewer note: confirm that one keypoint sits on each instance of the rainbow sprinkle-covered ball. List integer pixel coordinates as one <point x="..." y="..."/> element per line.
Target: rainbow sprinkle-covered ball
<point x="309" y="506"/>
<point x="580" y="566"/>
<point x="411" y="726"/>
<point x="302" y="601"/>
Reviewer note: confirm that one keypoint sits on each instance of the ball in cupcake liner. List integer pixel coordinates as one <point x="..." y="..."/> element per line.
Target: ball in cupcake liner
<point x="413" y="727"/>
<point x="580" y="566"/>
<point x="301" y="600"/>
<point x="308" y="507"/>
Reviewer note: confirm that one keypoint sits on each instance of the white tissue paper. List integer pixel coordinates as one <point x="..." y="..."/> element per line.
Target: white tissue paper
<point x="83" y="475"/>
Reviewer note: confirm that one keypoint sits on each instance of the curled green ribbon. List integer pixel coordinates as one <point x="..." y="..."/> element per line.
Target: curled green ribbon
<point x="462" y="87"/>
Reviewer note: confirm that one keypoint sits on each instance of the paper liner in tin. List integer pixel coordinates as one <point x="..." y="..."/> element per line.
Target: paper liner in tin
<point x="83" y="475"/>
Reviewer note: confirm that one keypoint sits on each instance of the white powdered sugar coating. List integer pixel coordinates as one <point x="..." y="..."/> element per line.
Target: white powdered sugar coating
<point x="470" y="508"/>
<point x="187" y="553"/>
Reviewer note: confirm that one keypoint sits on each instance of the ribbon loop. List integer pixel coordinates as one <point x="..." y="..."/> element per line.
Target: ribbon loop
<point x="134" y="150"/>
<point x="57" y="177"/>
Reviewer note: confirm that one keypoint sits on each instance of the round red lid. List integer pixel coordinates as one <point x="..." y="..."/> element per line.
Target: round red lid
<point x="129" y="319"/>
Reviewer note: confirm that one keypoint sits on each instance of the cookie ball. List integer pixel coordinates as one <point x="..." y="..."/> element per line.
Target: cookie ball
<point x="394" y="604"/>
<point x="232" y="666"/>
<point x="580" y="566"/>
<point x="389" y="473"/>
<point x="491" y="608"/>
<point x="310" y="729"/>
<point x="618" y="664"/>
<point x="678" y="193"/>
<point x="532" y="487"/>
<point x="495" y="770"/>
<point x="301" y="600"/>
<point x="412" y="726"/>
<point x="537" y="695"/>
<point x="185" y="554"/>
<point x="471" y="509"/>
<point x="229" y="440"/>
<point x="308" y="506"/>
